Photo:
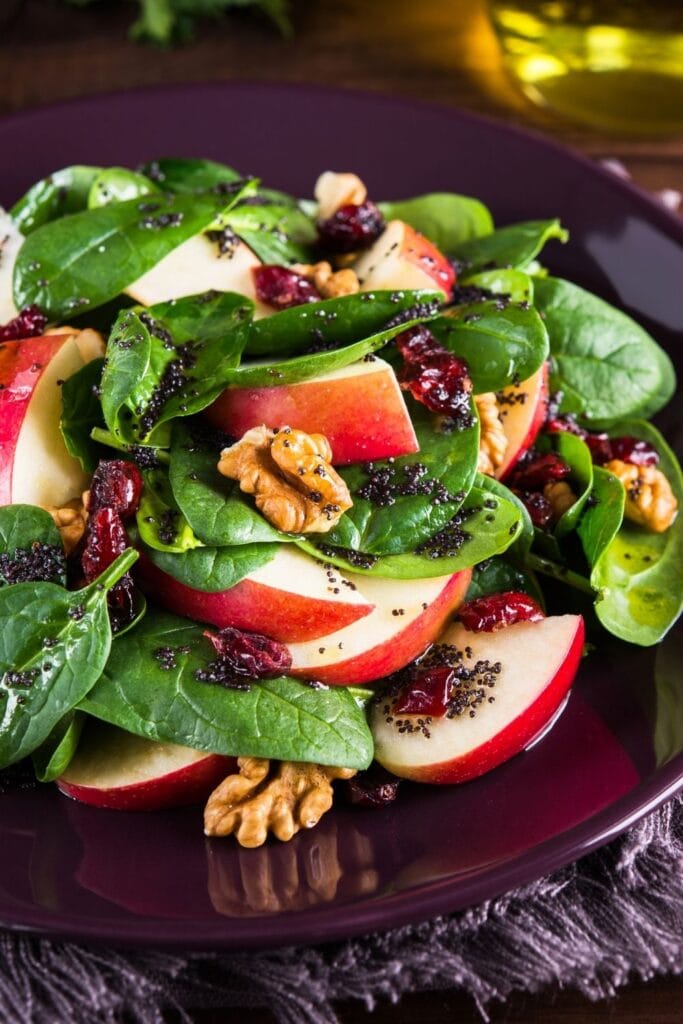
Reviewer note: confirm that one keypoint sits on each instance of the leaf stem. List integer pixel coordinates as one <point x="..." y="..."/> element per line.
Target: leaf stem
<point x="118" y="568"/>
<point x="558" y="572"/>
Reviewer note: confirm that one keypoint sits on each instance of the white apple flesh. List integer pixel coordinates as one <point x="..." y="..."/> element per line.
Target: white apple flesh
<point x="360" y="409"/>
<point x="538" y="663"/>
<point x="291" y="598"/>
<point x="523" y="408"/>
<point x="402" y="258"/>
<point x="35" y="466"/>
<point x="11" y="240"/>
<point x="121" y="771"/>
<point x="407" y="617"/>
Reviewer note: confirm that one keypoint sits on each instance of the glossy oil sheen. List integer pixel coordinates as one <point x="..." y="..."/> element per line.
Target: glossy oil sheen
<point x="616" y="751"/>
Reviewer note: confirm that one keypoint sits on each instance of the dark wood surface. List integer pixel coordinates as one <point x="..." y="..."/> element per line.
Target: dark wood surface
<point x="440" y="50"/>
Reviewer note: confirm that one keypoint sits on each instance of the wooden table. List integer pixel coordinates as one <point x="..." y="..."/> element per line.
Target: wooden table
<point x="439" y="50"/>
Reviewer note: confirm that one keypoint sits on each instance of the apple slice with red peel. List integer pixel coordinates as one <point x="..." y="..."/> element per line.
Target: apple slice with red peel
<point x="124" y="772"/>
<point x="523" y="409"/>
<point x="291" y="598"/>
<point x="35" y="466"/>
<point x="11" y="240"/>
<point x="408" y="616"/>
<point x="402" y="258"/>
<point x="360" y="409"/>
<point x="538" y="662"/>
<point x="195" y="266"/>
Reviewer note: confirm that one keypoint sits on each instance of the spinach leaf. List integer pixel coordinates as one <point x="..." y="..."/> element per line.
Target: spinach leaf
<point x="21" y="527"/>
<point x="639" y="576"/>
<point x="64" y="191"/>
<point x="141" y="454"/>
<point x="211" y="569"/>
<point x="519" y="549"/>
<point x="576" y="454"/>
<point x="488" y="530"/>
<point x="277" y="232"/>
<point x="602" y="517"/>
<point x="499" y="344"/>
<point x="514" y="246"/>
<point x="445" y="218"/>
<point x="332" y="323"/>
<point x="515" y="283"/>
<point x="277" y="718"/>
<point x="40" y="682"/>
<point x="496" y="575"/>
<point x="82" y="413"/>
<point x="188" y="176"/>
<point x="53" y="757"/>
<point x="291" y="371"/>
<point x="88" y="258"/>
<point x="151" y="377"/>
<point x="611" y="367"/>
<point x="218" y="512"/>
<point x="160" y="523"/>
<point x="118" y="185"/>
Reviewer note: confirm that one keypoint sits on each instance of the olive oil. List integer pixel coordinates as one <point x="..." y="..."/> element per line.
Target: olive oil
<point x="614" y="64"/>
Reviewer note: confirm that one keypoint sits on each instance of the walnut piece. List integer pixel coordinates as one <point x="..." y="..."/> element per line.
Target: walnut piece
<point x="650" y="502"/>
<point x="283" y="799"/>
<point x="331" y="284"/>
<point x="333" y="190"/>
<point x="493" y="441"/>
<point x="70" y="521"/>
<point x="290" y="474"/>
<point x="561" y="497"/>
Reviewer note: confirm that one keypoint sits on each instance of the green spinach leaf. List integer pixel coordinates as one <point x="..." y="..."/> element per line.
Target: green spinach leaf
<point x="515" y="283"/>
<point x="277" y="232"/>
<point x="22" y="526"/>
<point x="496" y="576"/>
<point x="212" y="569"/>
<point x="53" y="757"/>
<point x="160" y="522"/>
<point x="514" y="246"/>
<point x="188" y="176"/>
<point x="576" y="454"/>
<point x="82" y="413"/>
<point x="445" y="218"/>
<point x="118" y="185"/>
<point x="519" y="549"/>
<point x="602" y="517"/>
<point x="64" y="191"/>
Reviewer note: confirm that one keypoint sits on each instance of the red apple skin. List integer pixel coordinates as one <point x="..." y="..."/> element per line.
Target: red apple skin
<point x="188" y="785"/>
<point x="419" y="250"/>
<point x="519" y="447"/>
<point x="21" y="366"/>
<point x="402" y="648"/>
<point x="515" y="737"/>
<point x="251" y="606"/>
<point x="364" y="417"/>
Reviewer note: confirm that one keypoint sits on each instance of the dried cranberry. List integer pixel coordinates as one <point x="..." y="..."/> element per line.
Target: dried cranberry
<point x="29" y="323"/>
<point x="539" y="508"/>
<point x="115" y="485"/>
<point x="534" y="471"/>
<point x="427" y="693"/>
<point x="434" y="376"/>
<point x="106" y="538"/>
<point x="375" y="787"/>
<point x="598" y="443"/>
<point x="351" y="227"/>
<point x="630" y="449"/>
<point x="281" y="288"/>
<point x="496" y="611"/>
<point x="250" y="654"/>
<point x="600" y="447"/>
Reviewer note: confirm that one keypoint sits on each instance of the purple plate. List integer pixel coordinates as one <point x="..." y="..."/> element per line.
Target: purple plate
<point x="616" y="752"/>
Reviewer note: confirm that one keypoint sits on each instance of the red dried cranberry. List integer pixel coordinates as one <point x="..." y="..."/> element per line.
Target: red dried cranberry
<point x="416" y="344"/>
<point x="115" y="485"/>
<point x="496" y="611"/>
<point x="433" y="375"/>
<point x="29" y="323"/>
<point x="351" y="227"/>
<point x="106" y="538"/>
<point x="536" y="470"/>
<point x="630" y="449"/>
<point x="250" y="654"/>
<point x="281" y="288"/>
<point x="598" y="443"/>
<point x="427" y="693"/>
<point x="375" y="787"/>
<point x="539" y="508"/>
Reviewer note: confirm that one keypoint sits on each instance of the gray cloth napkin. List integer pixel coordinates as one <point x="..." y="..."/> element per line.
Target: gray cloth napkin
<point x="595" y="925"/>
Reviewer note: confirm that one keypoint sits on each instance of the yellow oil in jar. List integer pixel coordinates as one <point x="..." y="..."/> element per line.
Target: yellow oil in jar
<point x="614" y="64"/>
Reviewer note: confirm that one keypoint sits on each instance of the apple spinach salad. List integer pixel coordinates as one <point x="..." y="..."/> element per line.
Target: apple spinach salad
<point x="280" y="481"/>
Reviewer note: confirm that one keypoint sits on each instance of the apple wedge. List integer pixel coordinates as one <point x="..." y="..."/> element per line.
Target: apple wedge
<point x="360" y="409"/>
<point x="538" y="662"/>
<point x="197" y="266"/>
<point x="403" y="258"/>
<point x="523" y="409"/>
<point x="408" y="615"/>
<point x="123" y="772"/>
<point x="35" y="467"/>
<point x="291" y="598"/>
<point x="10" y="243"/>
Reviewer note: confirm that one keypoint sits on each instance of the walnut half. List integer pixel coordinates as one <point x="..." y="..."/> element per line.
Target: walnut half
<point x="281" y="799"/>
<point x="70" y="520"/>
<point x="331" y="284"/>
<point x="650" y="502"/>
<point x="493" y="441"/>
<point x="290" y="474"/>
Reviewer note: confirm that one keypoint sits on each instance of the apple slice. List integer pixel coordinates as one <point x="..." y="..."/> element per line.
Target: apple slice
<point x="408" y="616"/>
<point x="523" y="409"/>
<point x="123" y="772"/>
<point x="291" y="598"/>
<point x="196" y="266"/>
<point x="11" y="240"/>
<point x="538" y="663"/>
<point x="360" y="409"/>
<point x="403" y="258"/>
<point x="35" y="467"/>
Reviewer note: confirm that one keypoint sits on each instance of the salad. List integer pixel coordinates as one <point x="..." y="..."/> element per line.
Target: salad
<point x="288" y="488"/>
